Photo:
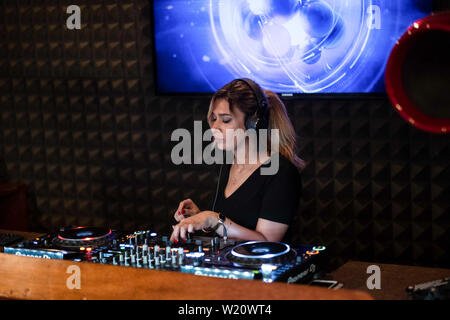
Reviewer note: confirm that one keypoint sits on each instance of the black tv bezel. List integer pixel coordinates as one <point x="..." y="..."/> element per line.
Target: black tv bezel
<point x="283" y="96"/>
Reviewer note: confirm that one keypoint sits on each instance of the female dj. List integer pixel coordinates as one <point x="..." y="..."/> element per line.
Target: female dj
<point x="248" y="205"/>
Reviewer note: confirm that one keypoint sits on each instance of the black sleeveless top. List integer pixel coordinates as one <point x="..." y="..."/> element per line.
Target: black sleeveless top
<point x="271" y="197"/>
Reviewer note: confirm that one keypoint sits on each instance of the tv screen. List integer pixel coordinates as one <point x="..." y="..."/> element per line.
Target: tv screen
<point x="287" y="46"/>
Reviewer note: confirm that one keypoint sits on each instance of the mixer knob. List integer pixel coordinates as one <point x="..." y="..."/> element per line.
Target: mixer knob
<point x="174" y="259"/>
<point x="199" y="243"/>
<point x="145" y="260"/>
<point x="145" y="246"/>
<point x="138" y="257"/>
<point x="114" y="261"/>
<point x="121" y="259"/>
<point x="150" y="262"/>
<point x="156" y="249"/>
<point x="180" y="256"/>
<point x="164" y="239"/>
<point x="168" y="251"/>
<point x="127" y="259"/>
<point x="157" y="263"/>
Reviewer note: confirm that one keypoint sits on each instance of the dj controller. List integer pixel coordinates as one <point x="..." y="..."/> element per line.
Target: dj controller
<point x="206" y="256"/>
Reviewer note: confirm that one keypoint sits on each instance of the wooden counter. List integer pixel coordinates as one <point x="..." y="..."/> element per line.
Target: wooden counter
<point x="394" y="279"/>
<point x="36" y="278"/>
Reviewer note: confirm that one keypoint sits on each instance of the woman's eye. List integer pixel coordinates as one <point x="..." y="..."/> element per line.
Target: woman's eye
<point x="226" y="120"/>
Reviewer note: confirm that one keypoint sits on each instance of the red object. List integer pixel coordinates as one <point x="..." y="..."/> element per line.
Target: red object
<point x="393" y="76"/>
<point x="13" y="207"/>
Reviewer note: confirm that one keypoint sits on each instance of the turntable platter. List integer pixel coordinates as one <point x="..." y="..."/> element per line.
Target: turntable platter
<point x="255" y="253"/>
<point x="84" y="234"/>
<point x="74" y="238"/>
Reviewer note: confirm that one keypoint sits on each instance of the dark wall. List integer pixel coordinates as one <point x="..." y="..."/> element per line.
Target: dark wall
<point x="81" y="126"/>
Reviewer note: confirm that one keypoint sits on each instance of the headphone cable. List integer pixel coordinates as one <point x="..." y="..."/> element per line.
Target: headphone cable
<point x="217" y="188"/>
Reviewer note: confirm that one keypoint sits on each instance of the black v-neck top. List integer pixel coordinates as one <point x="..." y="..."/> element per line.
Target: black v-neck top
<point x="271" y="197"/>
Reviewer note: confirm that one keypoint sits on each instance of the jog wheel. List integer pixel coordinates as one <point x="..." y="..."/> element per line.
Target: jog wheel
<point x="77" y="237"/>
<point x="255" y="253"/>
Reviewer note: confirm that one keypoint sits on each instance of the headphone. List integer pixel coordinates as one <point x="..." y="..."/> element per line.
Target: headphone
<point x="258" y="120"/>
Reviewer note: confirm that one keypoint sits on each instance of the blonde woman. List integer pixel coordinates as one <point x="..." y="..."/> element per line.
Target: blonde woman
<point x="248" y="205"/>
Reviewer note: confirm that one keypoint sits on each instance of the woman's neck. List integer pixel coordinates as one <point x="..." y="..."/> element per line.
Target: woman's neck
<point x="246" y="156"/>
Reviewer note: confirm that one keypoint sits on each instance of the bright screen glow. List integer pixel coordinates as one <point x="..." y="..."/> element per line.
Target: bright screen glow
<point x="287" y="46"/>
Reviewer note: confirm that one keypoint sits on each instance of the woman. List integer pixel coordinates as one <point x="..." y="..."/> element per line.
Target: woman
<point x="248" y="205"/>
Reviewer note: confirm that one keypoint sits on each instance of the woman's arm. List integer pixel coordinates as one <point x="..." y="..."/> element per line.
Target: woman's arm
<point x="266" y="230"/>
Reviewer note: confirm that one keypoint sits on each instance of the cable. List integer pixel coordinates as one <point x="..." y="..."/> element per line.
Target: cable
<point x="217" y="189"/>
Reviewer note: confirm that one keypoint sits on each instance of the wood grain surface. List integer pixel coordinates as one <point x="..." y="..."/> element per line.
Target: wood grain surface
<point x="35" y="278"/>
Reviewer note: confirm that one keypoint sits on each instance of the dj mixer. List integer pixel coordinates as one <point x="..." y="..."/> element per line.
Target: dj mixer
<point x="206" y="256"/>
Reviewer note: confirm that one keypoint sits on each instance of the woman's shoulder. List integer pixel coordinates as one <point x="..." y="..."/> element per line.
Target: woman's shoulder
<point x="285" y="166"/>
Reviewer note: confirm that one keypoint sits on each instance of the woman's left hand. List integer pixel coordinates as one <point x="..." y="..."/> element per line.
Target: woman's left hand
<point x="202" y="220"/>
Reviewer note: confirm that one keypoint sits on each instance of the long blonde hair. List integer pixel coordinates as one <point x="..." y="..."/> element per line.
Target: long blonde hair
<point x="238" y="94"/>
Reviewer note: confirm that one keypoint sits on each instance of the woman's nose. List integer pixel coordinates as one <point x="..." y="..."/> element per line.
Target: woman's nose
<point x="216" y="126"/>
<point x="216" y="132"/>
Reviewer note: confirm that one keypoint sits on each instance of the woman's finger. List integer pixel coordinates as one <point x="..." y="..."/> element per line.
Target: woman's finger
<point x="188" y="212"/>
<point x="183" y="204"/>
<point x="183" y="233"/>
<point x="175" y="234"/>
<point x="178" y="216"/>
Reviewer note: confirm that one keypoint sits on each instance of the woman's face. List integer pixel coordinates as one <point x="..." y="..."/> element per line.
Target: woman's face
<point x="223" y="121"/>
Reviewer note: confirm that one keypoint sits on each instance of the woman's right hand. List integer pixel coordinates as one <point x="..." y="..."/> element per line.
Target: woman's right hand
<point x="186" y="209"/>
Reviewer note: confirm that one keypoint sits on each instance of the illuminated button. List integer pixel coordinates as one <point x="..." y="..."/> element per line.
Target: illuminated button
<point x="195" y="255"/>
<point x="319" y="248"/>
<point x="266" y="270"/>
<point x="312" y="252"/>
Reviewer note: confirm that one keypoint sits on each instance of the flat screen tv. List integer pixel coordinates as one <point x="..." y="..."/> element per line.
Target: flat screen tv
<point x="291" y="47"/>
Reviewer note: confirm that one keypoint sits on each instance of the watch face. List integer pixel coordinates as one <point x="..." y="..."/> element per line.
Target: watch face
<point x="222" y="217"/>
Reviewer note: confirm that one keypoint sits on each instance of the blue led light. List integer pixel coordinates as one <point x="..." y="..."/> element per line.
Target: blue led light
<point x="195" y="254"/>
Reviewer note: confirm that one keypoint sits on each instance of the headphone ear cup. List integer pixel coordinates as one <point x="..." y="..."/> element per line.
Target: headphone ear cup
<point x="251" y="122"/>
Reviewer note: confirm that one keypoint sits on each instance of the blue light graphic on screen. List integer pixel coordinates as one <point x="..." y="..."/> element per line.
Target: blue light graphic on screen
<point x="287" y="46"/>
